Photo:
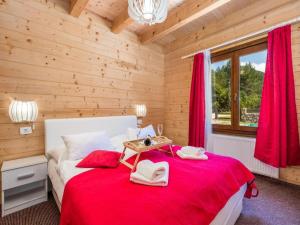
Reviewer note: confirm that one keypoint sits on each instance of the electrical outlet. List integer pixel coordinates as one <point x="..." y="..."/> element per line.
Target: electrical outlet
<point x="25" y="130"/>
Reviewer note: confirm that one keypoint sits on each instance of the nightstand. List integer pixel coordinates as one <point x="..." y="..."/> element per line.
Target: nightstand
<point x="24" y="183"/>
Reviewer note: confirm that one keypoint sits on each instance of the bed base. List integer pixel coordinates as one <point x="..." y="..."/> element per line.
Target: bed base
<point x="56" y="200"/>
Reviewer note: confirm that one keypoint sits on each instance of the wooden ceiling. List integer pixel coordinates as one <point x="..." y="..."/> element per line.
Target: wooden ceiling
<point x="184" y="16"/>
<point x="110" y="9"/>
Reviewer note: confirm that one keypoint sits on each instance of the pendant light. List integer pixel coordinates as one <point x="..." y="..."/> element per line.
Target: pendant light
<point x="148" y="11"/>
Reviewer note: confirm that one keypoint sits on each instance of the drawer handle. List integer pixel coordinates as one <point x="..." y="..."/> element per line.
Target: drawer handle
<point x="25" y="176"/>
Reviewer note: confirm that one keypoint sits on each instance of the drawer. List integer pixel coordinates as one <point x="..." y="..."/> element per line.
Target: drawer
<point x="25" y="175"/>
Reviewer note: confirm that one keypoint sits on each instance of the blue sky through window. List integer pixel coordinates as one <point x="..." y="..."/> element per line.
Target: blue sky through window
<point x="257" y="59"/>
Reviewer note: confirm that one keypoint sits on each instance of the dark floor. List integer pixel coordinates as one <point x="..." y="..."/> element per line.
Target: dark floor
<point x="277" y="204"/>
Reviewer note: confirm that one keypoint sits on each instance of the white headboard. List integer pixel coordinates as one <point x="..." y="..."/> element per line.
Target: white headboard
<point x="113" y="125"/>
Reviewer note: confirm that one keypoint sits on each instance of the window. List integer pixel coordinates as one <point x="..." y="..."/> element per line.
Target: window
<point x="237" y="80"/>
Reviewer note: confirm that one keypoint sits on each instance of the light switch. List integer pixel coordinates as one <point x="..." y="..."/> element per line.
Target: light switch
<point x="25" y="130"/>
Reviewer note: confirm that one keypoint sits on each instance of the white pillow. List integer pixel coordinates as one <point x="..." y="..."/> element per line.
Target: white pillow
<point x="148" y="130"/>
<point x="63" y="156"/>
<point x="139" y="133"/>
<point x="55" y="153"/>
<point x="80" y="145"/>
<point x="117" y="142"/>
<point x="132" y="133"/>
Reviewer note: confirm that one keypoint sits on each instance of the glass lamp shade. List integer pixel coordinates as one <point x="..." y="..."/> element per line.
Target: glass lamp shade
<point x="141" y="110"/>
<point x="23" y="111"/>
<point x="148" y="11"/>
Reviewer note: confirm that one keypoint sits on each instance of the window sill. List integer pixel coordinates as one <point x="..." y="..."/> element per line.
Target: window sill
<point x="239" y="133"/>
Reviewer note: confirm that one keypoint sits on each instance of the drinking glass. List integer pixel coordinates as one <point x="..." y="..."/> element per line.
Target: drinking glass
<point x="160" y="128"/>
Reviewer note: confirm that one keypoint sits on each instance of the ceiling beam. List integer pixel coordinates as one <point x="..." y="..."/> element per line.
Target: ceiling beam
<point x="77" y="6"/>
<point x="121" y="22"/>
<point x="186" y="13"/>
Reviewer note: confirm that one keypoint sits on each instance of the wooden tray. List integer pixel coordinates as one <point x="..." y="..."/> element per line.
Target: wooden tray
<point x="139" y="146"/>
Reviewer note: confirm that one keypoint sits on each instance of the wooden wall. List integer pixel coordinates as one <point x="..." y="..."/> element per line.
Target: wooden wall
<point x="72" y="67"/>
<point x="178" y="71"/>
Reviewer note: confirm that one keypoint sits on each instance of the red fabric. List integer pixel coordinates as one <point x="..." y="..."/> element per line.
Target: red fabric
<point x="197" y="103"/>
<point x="277" y="140"/>
<point x="100" y="158"/>
<point x="252" y="190"/>
<point x="197" y="191"/>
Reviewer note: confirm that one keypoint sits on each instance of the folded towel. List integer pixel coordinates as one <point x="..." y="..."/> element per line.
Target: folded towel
<point x="193" y="151"/>
<point x="183" y="155"/>
<point x="160" y="176"/>
<point x="150" y="170"/>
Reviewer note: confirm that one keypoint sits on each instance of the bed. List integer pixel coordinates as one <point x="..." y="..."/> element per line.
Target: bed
<point x="55" y="128"/>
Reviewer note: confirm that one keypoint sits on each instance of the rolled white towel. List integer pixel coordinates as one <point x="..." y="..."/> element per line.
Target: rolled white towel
<point x="160" y="180"/>
<point x="150" y="170"/>
<point x="193" y="151"/>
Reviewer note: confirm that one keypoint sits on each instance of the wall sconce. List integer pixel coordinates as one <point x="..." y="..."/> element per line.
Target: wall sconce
<point x="23" y="112"/>
<point x="141" y="111"/>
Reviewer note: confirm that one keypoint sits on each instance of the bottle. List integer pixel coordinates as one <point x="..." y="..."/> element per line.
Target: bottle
<point x="147" y="141"/>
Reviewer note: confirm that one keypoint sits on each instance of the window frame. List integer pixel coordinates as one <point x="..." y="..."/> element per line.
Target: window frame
<point x="234" y="53"/>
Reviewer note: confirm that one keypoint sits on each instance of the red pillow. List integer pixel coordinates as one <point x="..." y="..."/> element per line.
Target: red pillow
<point x="100" y="159"/>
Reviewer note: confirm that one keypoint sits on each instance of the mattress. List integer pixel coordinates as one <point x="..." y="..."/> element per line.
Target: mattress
<point x="227" y="216"/>
<point x="56" y="181"/>
<point x="232" y="210"/>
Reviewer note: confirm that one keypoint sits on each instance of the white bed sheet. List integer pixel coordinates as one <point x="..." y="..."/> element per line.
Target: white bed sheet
<point x="227" y="216"/>
<point x="68" y="170"/>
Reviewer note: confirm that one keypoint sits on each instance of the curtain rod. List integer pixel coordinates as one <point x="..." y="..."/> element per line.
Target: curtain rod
<point x="245" y="37"/>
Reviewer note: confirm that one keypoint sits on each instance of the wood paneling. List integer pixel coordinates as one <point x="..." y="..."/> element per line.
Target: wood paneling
<point x="121" y="22"/>
<point x="77" y="6"/>
<point x="202" y="23"/>
<point x="188" y="12"/>
<point x="72" y="67"/>
<point x="254" y="17"/>
<point x="107" y="9"/>
<point x="178" y="71"/>
<point x="292" y="174"/>
<point x="111" y="9"/>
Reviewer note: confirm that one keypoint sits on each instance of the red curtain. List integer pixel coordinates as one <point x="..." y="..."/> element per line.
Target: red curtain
<point x="277" y="141"/>
<point x="197" y="103"/>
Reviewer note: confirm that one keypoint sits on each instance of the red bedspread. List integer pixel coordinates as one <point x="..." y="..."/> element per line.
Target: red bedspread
<point x="197" y="191"/>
